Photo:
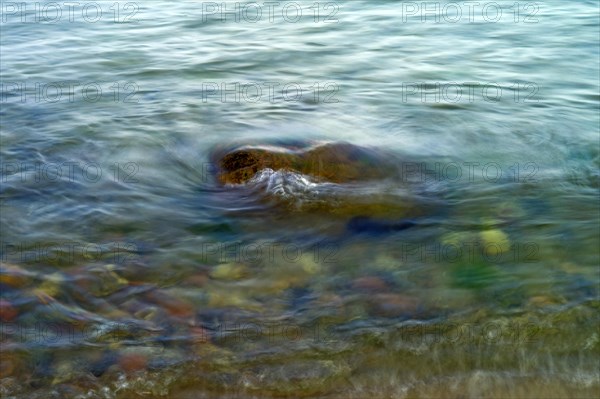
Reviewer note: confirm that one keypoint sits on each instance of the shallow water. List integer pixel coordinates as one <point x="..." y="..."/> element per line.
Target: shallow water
<point x="128" y="271"/>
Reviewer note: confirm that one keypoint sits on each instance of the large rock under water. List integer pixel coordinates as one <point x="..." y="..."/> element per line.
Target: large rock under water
<point x="338" y="179"/>
<point x="332" y="162"/>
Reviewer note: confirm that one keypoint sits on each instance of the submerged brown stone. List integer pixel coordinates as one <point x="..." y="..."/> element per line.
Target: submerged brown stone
<point x="340" y="163"/>
<point x="333" y="162"/>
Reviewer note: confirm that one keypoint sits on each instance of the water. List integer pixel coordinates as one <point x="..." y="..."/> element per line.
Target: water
<point x="128" y="270"/>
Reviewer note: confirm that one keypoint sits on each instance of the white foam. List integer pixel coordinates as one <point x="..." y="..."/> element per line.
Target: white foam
<point x="287" y="184"/>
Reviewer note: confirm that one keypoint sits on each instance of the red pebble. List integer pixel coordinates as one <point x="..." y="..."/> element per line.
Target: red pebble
<point x="197" y="280"/>
<point x="370" y="284"/>
<point x="393" y="305"/>
<point x="174" y="306"/>
<point x="7" y="311"/>
<point x="7" y="368"/>
<point x="133" y="362"/>
<point x="199" y="335"/>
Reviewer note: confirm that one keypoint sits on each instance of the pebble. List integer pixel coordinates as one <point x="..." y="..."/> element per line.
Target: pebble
<point x="229" y="271"/>
<point x="105" y="281"/>
<point x="370" y="284"/>
<point x="288" y="279"/>
<point x="495" y="242"/>
<point x="7" y="367"/>
<point x="64" y="370"/>
<point x="387" y="262"/>
<point x="48" y="290"/>
<point x="227" y="298"/>
<point x="132" y="362"/>
<point x="542" y="301"/>
<point x="99" y="362"/>
<point x="7" y="311"/>
<point x="394" y="305"/>
<point x="174" y="306"/>
<point x="147" y="313"/>
<point x="197" y="280"/>
<point x="199" y="335"/>
<point x="13" y="276"/>
<point x="309" y="265"/>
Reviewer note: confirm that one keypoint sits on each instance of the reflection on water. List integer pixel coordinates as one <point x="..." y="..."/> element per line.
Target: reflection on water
<point x="469" y="269"/>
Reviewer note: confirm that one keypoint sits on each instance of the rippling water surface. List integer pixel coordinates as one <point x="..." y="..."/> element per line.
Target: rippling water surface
<point x="129" y="271"/>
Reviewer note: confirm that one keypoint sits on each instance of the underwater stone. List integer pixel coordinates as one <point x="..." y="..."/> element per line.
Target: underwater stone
<point x="333" y="162"/>
<point x="7" y="311"/>
<point x="495" y="242"/>
<point x="394" y="305"/>
<point x="14" y="276"/>
<point x="229" y="271"/>
<point x="132" y="362"/>
<point x="103" y="281"/>
<point x="305" y="180"/>
<point x="7" y="365"/>
<point x="372" y="284"/>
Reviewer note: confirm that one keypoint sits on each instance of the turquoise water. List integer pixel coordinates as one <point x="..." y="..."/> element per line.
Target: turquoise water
<point x="128" y="270"/>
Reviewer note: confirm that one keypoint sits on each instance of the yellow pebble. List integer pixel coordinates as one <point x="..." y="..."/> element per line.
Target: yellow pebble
<point x="229" y="271"/>
<point x="495" y="242"/>
<point x="309" y="265"/>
